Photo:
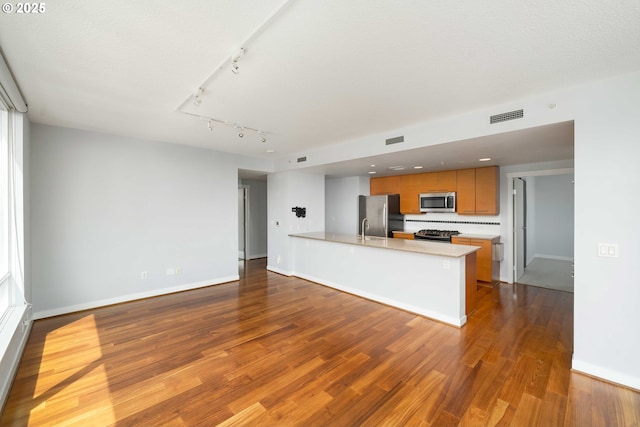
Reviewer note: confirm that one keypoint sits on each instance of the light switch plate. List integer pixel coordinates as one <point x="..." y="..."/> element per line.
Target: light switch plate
<point x="608" y="250"/>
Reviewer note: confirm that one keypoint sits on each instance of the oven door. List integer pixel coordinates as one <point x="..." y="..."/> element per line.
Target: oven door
<point x="441" y="239"/>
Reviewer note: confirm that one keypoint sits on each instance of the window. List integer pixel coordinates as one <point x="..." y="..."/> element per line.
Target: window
<point x="4" y="211"/>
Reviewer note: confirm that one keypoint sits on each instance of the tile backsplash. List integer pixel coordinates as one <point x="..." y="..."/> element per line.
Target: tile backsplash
<point x="447" y="221"/>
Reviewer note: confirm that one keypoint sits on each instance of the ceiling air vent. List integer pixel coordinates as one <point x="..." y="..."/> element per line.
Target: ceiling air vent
<point x="511" y="115"/>
<point x="302" y="159"/>
<point x="395" y="140"/>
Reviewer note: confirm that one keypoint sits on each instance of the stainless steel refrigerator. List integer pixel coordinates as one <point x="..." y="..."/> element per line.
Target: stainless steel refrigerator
<point x="382" y="214"/>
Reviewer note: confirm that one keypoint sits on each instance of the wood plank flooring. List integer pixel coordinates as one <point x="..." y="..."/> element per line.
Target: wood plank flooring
<point x="271" y="350"/>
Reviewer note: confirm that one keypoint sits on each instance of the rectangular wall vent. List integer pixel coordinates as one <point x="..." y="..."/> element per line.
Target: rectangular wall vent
<point x="395" y="140"/>
<point x="511" y="115"/>
<point x="302" y="159"/>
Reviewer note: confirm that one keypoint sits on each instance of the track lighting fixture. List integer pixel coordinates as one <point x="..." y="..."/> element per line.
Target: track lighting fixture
<point x="235" y="56"/>
<point x="197" y="97"/>
<point x="231" y="61"/>
<point x="241" y="130"/>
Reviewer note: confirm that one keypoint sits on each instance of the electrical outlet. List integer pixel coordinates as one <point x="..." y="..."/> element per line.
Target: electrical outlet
<point x="143" y="275"/>
<point x="445" y="264"/>
<point x="279" y="260"/>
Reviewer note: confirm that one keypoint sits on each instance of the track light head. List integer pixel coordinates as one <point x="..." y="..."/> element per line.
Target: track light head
<point x="235" y="69"/>
<point x="241" y="133"/>
<point x="210" y="125"/>
<point x="197" y="97"/>
<point x="238" y="53"/>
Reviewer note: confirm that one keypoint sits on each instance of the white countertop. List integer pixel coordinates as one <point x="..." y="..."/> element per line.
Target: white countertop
<point x="478" y="236"/>
<point x="418" y="246"/>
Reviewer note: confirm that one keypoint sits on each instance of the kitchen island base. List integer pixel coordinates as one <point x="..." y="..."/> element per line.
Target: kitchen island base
<point x="413" y="276"/>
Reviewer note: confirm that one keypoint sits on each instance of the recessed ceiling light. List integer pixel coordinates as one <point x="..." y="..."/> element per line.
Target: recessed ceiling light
<point x="417" y="167"/>
<point x="484" y="159"/>
<point x="270" y="151"/>
<point x="397" y="168"/>
<point x="372" y="172"/>
<point x="373" y="166"/>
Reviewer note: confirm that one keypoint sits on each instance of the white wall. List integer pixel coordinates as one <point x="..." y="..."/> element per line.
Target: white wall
<point x="341" y="203"/>
<point x="106" y="208"/>
<point x="553" y="204"/>
<point x="257" y="219"/>
<point x="287" y="190"/>
<point x="607" y="132"/>
<point x="607" y="291"/>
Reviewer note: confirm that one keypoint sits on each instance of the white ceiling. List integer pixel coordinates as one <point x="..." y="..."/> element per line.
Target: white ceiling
<point x="318" y="73"/>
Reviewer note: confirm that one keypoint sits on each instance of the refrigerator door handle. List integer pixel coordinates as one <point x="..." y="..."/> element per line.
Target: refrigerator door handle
<point x="384" y="219"/>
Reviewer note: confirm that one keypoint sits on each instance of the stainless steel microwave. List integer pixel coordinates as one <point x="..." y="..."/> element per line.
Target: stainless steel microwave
<point x="438" y="202"/>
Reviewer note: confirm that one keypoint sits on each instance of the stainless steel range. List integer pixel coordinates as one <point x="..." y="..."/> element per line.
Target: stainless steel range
<point x="436" y="235"/>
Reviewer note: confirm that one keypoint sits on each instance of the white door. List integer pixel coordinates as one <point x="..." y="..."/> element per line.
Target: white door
<point x="519" y="227"/>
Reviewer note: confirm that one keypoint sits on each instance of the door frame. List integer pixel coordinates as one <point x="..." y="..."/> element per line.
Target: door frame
<point x="510" y="211"/>
<point x="517" y="245"/>
<point x="245" y="190"/>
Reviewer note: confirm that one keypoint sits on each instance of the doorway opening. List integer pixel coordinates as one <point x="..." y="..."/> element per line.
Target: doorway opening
<point x="542" y="229"/>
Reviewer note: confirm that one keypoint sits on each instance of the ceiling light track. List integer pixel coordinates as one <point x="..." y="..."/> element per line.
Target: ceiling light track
<point x="212" y="122"/>
<point x="232" y="62"/>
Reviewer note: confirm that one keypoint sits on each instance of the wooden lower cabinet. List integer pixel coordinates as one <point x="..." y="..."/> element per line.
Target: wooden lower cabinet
<point x="403" y="235"/>
<point x="484" y="260"/>
<point x="471" y="285"/>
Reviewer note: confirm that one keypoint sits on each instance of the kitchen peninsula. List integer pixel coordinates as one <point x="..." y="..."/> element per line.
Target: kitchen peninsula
<point x="436" y="280"/>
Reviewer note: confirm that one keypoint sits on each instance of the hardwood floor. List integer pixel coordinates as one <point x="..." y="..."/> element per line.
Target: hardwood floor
<point x="273" y="350"/>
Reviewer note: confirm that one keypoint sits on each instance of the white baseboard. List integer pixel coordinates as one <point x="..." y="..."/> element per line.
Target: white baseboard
<point x="132" y="297"/>
<point x="388" y="301"/>
<point x="559" y="258"/>
<point x="605" y="374"/>
<point x="279" y="271"/>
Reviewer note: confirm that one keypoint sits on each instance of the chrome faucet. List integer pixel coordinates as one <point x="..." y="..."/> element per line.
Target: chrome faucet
<point x="363" y="221"/>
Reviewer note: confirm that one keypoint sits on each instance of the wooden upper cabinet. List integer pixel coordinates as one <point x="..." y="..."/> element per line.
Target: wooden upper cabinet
<point x="487" y="191"/>
<point x="478" y="191"/>
<point x="384" y="185"/>
<point x="439" y="182"/>
<point x="410" y="193"/>
<point x="429" y="182"/>
<point x="448" y="181"/>
<point x="466" y="192"/>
